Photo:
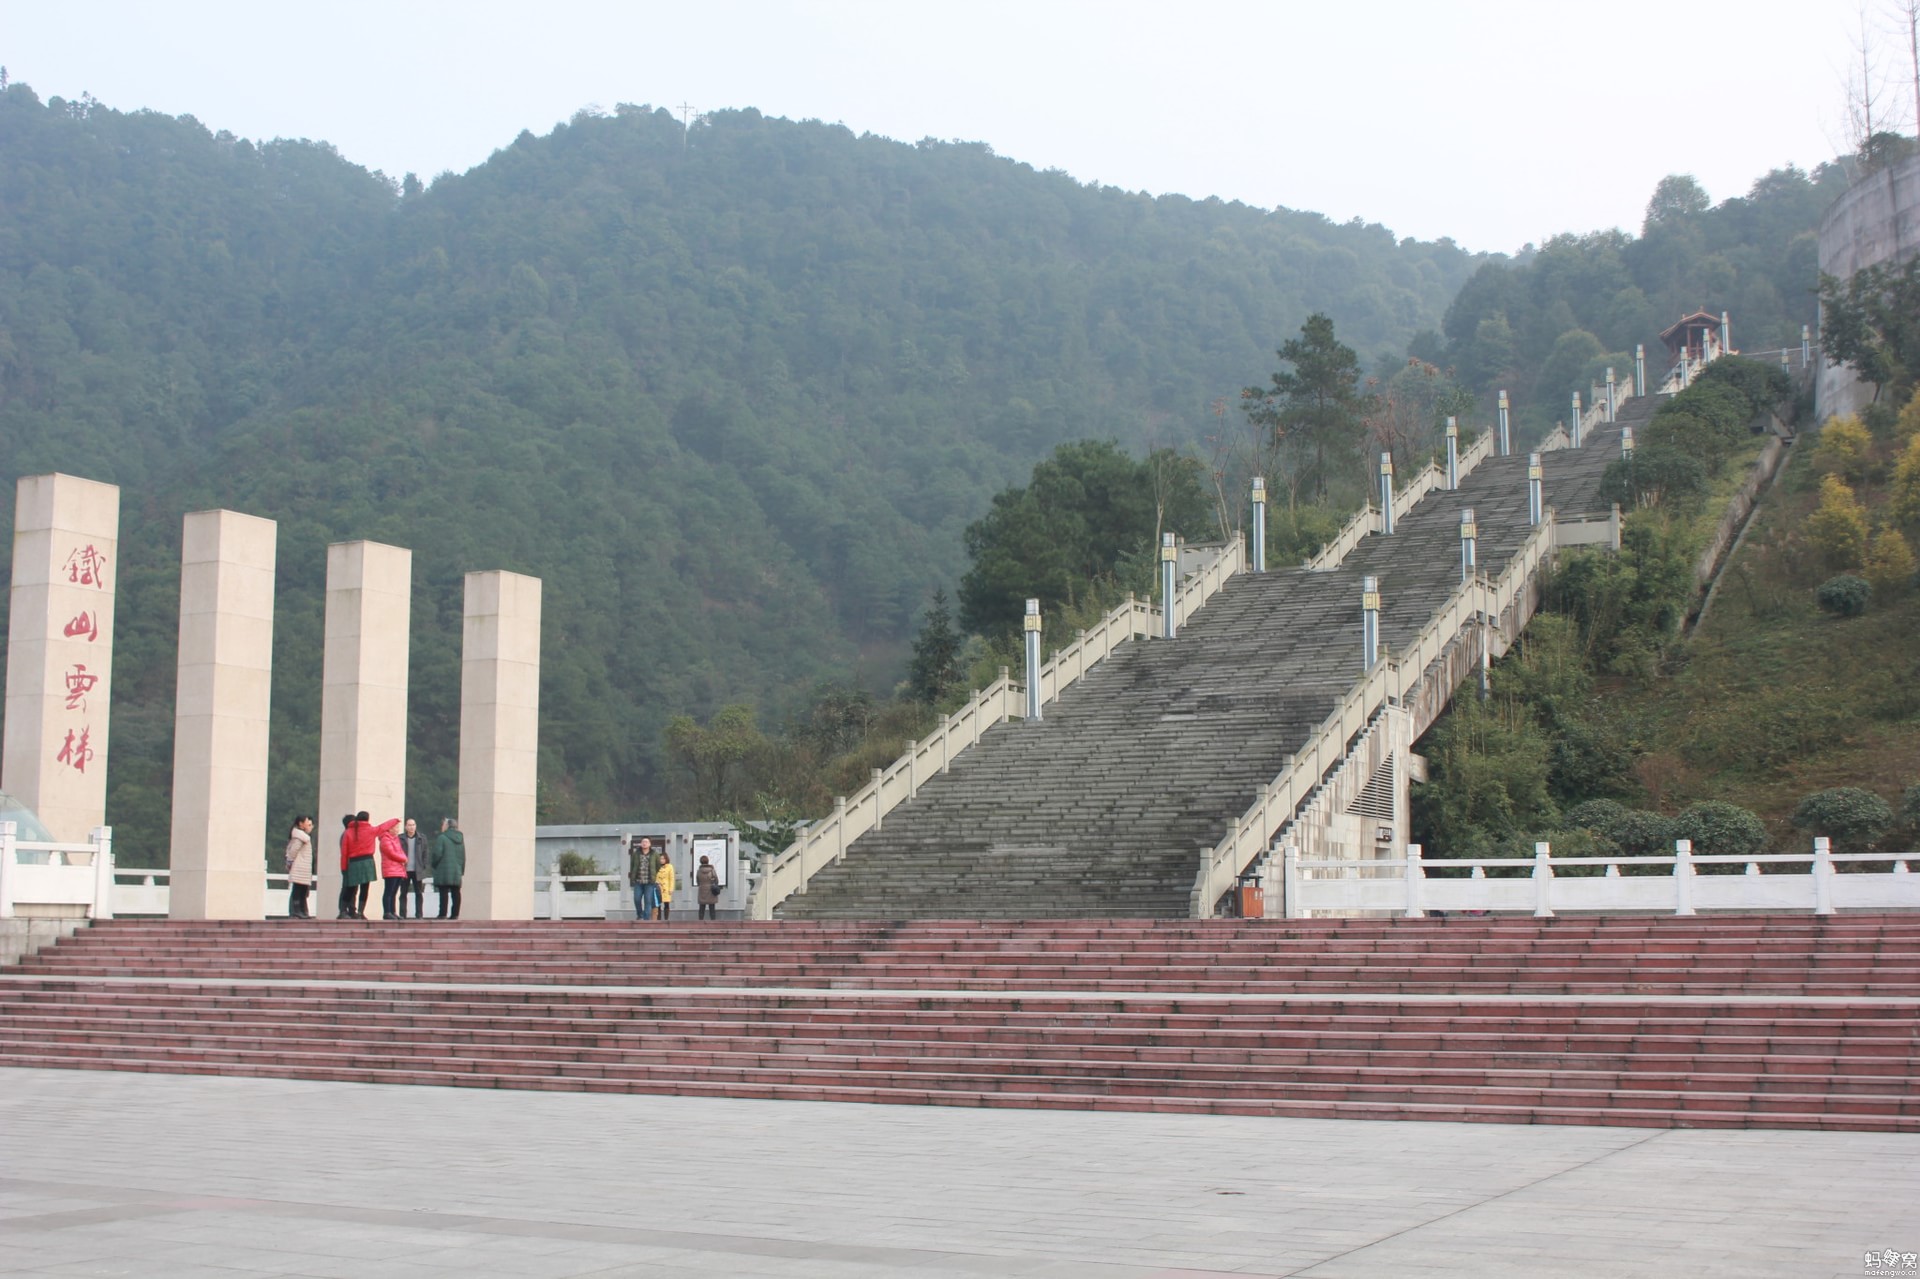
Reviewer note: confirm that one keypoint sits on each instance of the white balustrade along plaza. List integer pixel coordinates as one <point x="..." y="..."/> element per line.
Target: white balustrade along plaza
<point x="1414" y="886"/>
<point x="581" y="897"/>
<point x="145" y="892"/>
<point x="56" y="880"/>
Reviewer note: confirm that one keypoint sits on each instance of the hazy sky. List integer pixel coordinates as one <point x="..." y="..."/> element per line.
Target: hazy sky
<point x="1492" y="122"/>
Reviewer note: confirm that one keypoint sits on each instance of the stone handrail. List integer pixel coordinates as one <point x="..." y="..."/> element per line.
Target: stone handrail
<point x="1280" y="798"/>
<point x="825" y="841"/>
<point x="1537" y="885"/>
<point x="1557" y="438"/>
<point x="1351" y="535"/>
<point x="1200" y="585"/>
<point x="1475" y="453"/>
<point x="1134" y="619"/>
<point x="593" y="897"/>
<point x="71" y="874"/>
<point x="1367" y="518"/>
<point x="1329" y="786"/>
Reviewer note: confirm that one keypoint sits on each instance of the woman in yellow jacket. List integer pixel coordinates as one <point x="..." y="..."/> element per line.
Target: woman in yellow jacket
<point x="663" y="880"/>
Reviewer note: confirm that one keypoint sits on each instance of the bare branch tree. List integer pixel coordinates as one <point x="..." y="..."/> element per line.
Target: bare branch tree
<point x="1863" y="87"/>
<point x="1907" y="13"/>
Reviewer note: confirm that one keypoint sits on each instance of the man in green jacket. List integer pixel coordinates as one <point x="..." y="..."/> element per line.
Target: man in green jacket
<point x="449" y="867"/>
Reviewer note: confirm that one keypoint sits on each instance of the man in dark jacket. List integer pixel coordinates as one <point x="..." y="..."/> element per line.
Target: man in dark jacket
<point x="449" y="867"/>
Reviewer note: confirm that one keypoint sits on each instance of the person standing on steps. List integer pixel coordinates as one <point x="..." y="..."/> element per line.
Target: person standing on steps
<point x="646" y="896"/>
<point x="299" y="867"/>
<point x="707" y="880"/>
<point x="449" y="867"/>
<point x="419" y="869"/>
<point x="359" y="847"/>
<point x="663" y="879"/>
<point x="393" y="869"/>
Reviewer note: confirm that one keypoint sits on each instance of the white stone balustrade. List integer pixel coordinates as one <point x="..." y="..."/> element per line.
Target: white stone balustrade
<point x="56" y="879"/>
<point x="1541" y="886"/>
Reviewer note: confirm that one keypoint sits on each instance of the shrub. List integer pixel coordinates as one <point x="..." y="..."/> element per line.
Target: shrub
<point x="1760" y="383"/>
<point x="1844" y="596"/>
<point x="1838" y="526"/>
<point x="1661" y="474"/>
<point x="1720" y="829"/>
<point x="1850" y="817"/>
<point x="1695" y="435"/>
<point x="571" y="863"/>
<point x="1903" y="497"/>
<point x="1890" y="564"/>
<point x="1642" y="834"/>
<point x="1910" y="807"/>
<point x="1844" y="449"/>
<point x="1633" y="831"/>
<point x="1595" y="814"/>
<point x="1907" y="425"/>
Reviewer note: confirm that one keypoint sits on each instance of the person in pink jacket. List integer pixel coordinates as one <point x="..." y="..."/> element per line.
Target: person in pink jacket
<point x="393" y="867"/>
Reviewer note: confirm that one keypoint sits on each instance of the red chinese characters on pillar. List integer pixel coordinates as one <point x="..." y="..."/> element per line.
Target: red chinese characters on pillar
<point x="77" y="751"/>
<point x="87" y="567"/>
<point x="86" y="626"/>
<point x="79" y="684"/>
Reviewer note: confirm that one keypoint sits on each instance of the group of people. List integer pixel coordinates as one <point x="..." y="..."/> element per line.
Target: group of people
<point x="651" y="873"/>
<point x="394" y="852"/>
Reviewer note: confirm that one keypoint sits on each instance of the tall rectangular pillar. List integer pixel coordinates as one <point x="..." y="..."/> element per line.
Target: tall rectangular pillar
<point x="499" y="742"/>
<point x="220" y="715"/>
<point x="363" y="698"/>
<point x="66" y="545"/>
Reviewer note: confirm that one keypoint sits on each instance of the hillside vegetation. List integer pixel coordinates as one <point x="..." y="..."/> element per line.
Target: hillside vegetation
<point x="733" y="393"/>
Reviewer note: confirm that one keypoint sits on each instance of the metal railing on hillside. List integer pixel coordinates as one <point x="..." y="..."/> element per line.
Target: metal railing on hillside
<point x="1391" y="677"/>
<point x="825" y="842"/>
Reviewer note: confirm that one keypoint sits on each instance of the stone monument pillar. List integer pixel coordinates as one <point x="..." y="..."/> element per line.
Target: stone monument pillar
<point x="499" y="742"/>
<point x="363" y="699"/>
<point x="220" y="713"/>
<point x="66" y="545"/>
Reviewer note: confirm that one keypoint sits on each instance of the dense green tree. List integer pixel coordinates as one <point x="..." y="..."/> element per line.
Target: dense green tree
<point x="1677" y="197"/>
<point x="1086" y="510"/>
<point x="1872" y="322"/>
<point x="715" y="756"/>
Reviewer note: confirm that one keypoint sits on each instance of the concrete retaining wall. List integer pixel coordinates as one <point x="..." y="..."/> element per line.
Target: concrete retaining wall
<point x="1877" y="220"/>
<point x="20" y="938"/>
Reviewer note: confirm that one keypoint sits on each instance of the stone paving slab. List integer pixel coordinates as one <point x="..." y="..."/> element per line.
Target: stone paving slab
<point x="161" y="1176"/>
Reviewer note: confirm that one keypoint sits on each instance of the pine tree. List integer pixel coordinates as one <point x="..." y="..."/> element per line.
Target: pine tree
<point x="934" y="672"/>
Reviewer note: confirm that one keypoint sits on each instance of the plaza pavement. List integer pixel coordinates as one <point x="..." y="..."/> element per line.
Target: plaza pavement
<point x="173" y="1176"/>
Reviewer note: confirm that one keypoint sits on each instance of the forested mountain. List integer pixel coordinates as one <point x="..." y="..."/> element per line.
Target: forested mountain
<point x="1548" y="321"/>
<point x="734" y="393"/>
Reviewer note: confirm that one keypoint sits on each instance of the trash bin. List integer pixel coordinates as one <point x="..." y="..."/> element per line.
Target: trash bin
<point x="1253" y="899"/>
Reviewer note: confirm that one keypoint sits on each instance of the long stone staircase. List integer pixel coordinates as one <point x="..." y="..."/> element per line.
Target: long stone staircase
<point x="1664" y="1022"/>
<point x="1105" y="806"/>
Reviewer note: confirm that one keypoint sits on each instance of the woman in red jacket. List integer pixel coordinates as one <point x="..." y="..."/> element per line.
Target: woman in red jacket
<point x="358" y="846"/>
<point x="393" y="868"/>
